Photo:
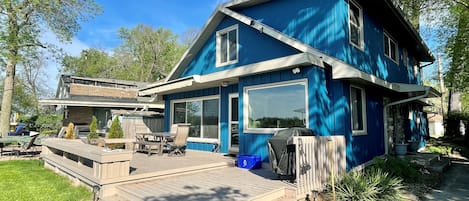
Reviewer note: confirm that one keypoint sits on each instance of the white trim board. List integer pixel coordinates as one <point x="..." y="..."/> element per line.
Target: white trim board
<point x="250" y="69"/>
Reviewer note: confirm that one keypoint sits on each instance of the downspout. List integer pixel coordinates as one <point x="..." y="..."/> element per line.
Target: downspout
<point x="385" y="116"/>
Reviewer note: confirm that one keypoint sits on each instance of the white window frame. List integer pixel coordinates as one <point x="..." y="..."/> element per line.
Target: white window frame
<point x="198" y="139"/>
<point x="218" y="46"/>
<point x="246" y="129"/>
<point x="361" y="42"/>
<point x="405" y="57"/>
<point x="415" y="67"/>
<point x="363" y="96"/>
<point x="390" y="39"/>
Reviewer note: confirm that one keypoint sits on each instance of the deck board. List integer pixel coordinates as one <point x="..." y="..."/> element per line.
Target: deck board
<point x="228" y="183"/>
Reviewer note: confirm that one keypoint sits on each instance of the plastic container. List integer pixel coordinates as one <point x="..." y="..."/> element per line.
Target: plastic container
<point x="249" y="161"/>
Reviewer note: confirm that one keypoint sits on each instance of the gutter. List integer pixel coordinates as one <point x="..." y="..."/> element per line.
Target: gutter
<point x="385" y="116"/>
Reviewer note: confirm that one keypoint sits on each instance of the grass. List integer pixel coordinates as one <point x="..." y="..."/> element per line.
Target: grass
<point x="28" y="180"/>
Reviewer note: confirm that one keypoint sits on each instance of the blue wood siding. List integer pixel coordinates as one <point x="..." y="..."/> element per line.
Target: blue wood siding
<point x="323" y="24"/>
<point x="362" y="148"/>
<point x="253" y="47"/>
<point x="318" y="106"/>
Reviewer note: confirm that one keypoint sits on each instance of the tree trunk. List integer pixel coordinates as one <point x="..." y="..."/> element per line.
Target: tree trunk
<point x="7" y="96"/>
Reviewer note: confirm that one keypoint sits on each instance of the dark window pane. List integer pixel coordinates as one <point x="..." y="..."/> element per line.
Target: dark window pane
<point x="234" y="109"/>
<point x="355" y="35"/>
<point x="393" y="50"/>
<point x="233" y="43"/>
<point x="354" y="14"/>
<point x="179" y="113"/>
<point x="210" y="118"/>
<point x="223" y="47"/>
<point x="386" y="45"/>
<point x="356" y="108"/>
<point x="194" y="114"/>
<point x="277" y="107"/>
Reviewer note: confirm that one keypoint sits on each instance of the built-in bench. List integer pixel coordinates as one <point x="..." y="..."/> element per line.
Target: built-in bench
<point x="84" y="163"/>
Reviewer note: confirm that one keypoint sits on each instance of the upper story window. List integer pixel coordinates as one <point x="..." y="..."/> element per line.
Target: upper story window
<point x="355" y="24"/>
<point x="358" y="110"/>
<point x="405" y="58"/>
<point x="390" y="48"/>
<point x="227" y="46"/>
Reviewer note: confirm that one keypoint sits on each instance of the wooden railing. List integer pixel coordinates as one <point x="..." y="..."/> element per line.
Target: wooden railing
<point x="317" y="159"/>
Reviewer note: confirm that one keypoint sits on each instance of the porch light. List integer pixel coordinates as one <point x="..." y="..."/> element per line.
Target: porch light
<point x="296" y="70"/>
<point x="224" y="83"/>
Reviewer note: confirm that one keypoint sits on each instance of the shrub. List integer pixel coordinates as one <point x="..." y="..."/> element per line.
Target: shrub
<point x="93" y="125"/>
<point x="48" y="122"/>
<point x="401" y="168"/>
<point x="69" y="133"/>
<point x="93" y="128"/>
<point x="370" y="185"/>
<point x="444" y="150"/>
<point x="116" y="131"/>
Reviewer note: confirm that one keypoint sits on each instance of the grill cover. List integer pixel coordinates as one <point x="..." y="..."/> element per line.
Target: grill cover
<point x="282" y="150"/>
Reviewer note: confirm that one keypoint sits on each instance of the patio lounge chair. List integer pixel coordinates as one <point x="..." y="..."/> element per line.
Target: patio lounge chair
<point x="178" y="146"/>
<point x="26" y="147"/>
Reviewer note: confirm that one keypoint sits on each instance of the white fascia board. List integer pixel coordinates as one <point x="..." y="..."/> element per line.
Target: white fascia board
<point x="100" y="104"/>
<point x="264" y="66"/>
<point x="203" y="35"/>
<point x="167" y="86"/>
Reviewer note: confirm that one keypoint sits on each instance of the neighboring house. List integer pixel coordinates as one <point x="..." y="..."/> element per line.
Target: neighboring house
<point x="435" y="125"/>
<point x="338" y="67"/>
<point x="80" y="98"/>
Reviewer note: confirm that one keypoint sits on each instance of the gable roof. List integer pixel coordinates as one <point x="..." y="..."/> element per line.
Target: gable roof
<point x="227" y="9"/>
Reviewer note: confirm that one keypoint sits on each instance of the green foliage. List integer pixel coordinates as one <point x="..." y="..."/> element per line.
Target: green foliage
<point x="146" y="54"/>
<point x="29" y="180"/>
<point x="457" y="47"/>
<point x="367" y="185"/>
<point x="49" y="122"/>
<point x="400" y="168"/>
<point x="116" y="130"/>
<point x="70" y="133"/>
<point x="93" y="125"/>
<point x="444" y="150"/>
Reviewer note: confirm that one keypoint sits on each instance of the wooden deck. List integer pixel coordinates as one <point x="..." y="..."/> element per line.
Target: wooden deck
<point x="229" y="183"/>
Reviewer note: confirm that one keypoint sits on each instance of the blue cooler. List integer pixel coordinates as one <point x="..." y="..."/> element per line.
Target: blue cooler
<point x="249" y="161"/>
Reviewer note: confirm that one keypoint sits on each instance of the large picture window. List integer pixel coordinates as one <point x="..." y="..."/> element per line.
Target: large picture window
<point x="358" y="110"/>
<point x="201" y="114"/>
<point x="355" y="25"/>
<point x="272" y="107"/>
<point x="227" y="46"/>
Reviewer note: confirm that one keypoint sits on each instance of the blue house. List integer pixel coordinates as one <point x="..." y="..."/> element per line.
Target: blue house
<point x="338" y="67"/>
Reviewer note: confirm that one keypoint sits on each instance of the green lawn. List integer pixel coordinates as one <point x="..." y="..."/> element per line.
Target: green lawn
<point x="28" y="180"/>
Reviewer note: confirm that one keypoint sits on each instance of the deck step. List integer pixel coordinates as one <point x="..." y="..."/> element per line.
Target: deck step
<point x="440" y="164"/>
<point x="227" y="183"/>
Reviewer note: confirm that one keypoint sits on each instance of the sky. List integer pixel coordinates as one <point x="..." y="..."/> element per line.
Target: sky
<point x="101" y="31"/>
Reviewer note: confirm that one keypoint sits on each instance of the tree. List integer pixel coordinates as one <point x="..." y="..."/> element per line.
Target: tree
<point x="147" y="54"/>
<point x="22" y="24"/>
<point x="91" y="63"/>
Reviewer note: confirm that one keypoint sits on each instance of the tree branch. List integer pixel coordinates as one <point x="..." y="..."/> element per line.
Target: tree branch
<point x="37" y="44"/>
<point x="463" y="3"/>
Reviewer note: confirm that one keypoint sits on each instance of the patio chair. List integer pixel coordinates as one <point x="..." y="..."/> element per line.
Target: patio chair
<point x="178" y="146"/>
<point x="143" y="145"/>
<point x="29" y="146"/>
